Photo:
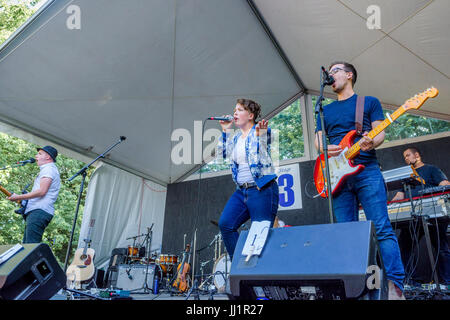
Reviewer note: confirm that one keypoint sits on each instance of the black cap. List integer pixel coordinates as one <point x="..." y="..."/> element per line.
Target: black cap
<point x="51" y="151"/>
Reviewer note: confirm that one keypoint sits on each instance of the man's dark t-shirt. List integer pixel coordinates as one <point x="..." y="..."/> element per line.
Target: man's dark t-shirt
<point x="339" y="119"/>
<point x="432" y="176"/>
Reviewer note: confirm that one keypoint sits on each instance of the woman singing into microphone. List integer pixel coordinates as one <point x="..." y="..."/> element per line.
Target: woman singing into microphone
<point x="248" y="150"/>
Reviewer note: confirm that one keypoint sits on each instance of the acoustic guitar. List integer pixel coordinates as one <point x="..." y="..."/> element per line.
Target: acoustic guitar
<point x="82" y="268"/>
<point x="341" y="166"/>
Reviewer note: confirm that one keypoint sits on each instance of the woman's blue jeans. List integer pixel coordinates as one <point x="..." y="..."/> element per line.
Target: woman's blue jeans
<point x="244" y="204"/>
<point x="368" y="188"/>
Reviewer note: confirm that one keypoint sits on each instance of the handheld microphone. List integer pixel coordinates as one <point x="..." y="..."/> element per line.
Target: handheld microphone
<point x="329" y="80"/>
<point x="31" y="160"/>
<point x="221" y="118"/>
<point x="122" y="138"/>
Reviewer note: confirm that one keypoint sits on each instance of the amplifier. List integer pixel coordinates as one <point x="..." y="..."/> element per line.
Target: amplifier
<point x="329" y="261"/>
<point x="32" y="273"/>
<point x="132" y="276"/>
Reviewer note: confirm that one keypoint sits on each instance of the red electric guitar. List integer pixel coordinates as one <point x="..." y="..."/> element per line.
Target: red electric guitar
<point x="342" y="166"/>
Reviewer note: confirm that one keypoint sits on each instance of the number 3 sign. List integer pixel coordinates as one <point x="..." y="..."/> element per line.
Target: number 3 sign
<point x="289" y="187"/>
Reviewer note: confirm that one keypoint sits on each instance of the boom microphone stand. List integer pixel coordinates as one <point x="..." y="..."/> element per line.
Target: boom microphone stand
<point x="83" y="172"/>
<point x="147" y="241"/>
<point x="326" y="79"/>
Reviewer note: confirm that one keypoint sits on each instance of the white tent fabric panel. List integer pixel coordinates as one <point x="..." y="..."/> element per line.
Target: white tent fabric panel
<point x="123" y="205"/>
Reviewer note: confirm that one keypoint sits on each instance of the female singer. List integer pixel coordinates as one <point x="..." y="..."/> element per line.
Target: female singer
<point x="256" y="196"/>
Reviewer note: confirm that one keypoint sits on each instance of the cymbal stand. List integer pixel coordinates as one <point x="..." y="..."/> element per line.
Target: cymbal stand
<point x="147" y="241"/>
<point x="203" y="281"/>
<point x="209" y="282"/>
<point x="217" y="246"/>
<point x="202" y="267"/>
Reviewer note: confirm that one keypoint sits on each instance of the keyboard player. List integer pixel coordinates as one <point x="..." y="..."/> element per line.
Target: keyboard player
<point x="433" y="176"/>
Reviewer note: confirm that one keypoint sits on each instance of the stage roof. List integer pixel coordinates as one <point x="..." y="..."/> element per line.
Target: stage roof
<point x="81" y="73"/>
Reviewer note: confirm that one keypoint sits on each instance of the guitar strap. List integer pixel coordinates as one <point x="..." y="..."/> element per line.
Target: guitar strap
<point x="359" y="114"/>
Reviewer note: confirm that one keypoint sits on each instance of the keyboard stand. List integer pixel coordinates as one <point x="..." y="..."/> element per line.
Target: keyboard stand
<point x="424" y="220"/>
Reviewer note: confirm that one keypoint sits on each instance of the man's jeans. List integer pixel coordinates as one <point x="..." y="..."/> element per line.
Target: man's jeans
<point x="36" y="222"/>
<point x="244" y="204"/>
<point x="368" y="188"/>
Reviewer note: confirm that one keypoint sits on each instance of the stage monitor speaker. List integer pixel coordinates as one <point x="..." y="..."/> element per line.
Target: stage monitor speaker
<point x="327" y="261"/>
<point x="31" y="274"/>
<point x="132" y="276"/>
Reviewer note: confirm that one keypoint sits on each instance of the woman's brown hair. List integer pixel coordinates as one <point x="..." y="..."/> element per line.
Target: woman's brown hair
<point x="251" y="106"/>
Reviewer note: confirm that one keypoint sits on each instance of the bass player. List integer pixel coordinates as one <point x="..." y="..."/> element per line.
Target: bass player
<point x="367" y="187"/>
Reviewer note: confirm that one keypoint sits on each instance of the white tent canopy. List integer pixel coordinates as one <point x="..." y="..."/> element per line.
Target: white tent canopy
<point x="140" y="69"/>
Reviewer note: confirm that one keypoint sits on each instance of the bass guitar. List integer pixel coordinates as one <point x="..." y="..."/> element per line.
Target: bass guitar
<point x="341" y="166"/>
<point x="82" y="268"/>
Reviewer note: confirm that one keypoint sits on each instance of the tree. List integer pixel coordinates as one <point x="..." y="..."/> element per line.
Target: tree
<point x="409" y="126"/>
<point x="13" y="14"/>
<point x="288" y="124"/>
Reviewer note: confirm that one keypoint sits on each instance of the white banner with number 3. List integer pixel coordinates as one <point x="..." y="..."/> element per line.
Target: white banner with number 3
<point x="289" y="187"/>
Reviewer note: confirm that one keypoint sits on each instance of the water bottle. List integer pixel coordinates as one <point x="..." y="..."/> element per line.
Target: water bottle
<point x="155" y="285"/>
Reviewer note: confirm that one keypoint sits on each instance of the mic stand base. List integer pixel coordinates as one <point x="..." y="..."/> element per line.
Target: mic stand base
<point x="195" y="290"/>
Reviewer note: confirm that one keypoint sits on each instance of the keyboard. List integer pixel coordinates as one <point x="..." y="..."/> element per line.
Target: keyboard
<point x="431" y="206"/>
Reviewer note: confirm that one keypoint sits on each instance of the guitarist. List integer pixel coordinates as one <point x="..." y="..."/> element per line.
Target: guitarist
<point x="367" y="187"/>
<point x="40" y="208"/>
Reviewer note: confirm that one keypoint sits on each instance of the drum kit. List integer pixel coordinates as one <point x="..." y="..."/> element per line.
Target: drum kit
<point x="167" y="266"/>
<point x="164" y="264"/>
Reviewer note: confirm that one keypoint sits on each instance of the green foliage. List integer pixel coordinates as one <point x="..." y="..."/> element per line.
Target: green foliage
<point x="288" y="123"/>
<point x="13" y="14"/>
<point x="57" y="234"/>
<point x="410" y="126"/>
